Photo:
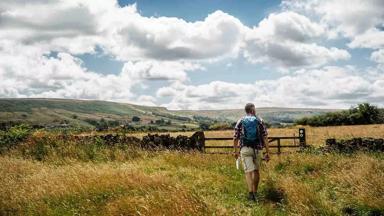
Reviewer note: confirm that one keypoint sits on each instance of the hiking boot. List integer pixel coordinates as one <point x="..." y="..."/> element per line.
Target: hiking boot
<point x="256" y="197"/>
<point x="251" y="196"/>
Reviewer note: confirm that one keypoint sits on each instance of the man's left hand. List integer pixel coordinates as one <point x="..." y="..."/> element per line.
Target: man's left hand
<point x="266" y="157"/>
<point x="236" y="154"/>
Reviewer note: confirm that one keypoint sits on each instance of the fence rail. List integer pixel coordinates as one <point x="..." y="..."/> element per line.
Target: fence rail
<point x="301" y="144"/>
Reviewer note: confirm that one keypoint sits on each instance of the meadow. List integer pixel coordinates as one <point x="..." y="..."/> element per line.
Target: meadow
<point x="44" y="175"/>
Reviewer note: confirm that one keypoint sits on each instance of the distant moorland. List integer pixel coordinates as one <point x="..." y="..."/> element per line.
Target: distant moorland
<point x="102" y="114"/>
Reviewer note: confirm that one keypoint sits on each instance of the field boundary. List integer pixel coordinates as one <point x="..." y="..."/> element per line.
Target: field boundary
<point x="302" y="143"/>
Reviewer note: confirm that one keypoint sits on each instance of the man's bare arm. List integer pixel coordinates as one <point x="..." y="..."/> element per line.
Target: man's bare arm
<point x="235" y="147"/>
<point x="266" y="147"/>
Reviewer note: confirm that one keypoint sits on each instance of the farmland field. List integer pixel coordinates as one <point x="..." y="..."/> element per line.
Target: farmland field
<point x="46" y="176"/>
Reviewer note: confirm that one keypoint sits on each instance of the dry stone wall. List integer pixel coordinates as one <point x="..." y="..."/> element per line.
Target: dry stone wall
<point x="355" y="144"/>
<point x="151" y="141"/>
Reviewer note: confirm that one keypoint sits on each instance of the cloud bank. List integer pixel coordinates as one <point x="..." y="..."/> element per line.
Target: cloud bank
<point x="40" y="42"/>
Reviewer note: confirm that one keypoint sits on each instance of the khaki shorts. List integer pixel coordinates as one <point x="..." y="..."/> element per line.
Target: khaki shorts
<point x="250" y="161"/>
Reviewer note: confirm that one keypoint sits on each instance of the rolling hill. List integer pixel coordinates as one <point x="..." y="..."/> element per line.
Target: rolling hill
<point x="269" y="114"/>
<point x="89" y="113"/>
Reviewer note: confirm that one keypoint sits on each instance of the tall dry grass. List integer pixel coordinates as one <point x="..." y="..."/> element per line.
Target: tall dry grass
<point x="330" y="184"/>
<point x="35" y="188"/>
<point x="58" y="177"/>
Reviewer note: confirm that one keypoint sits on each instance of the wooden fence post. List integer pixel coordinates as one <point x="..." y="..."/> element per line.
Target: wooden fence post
<point x="201" y="141"/>
<point x="278" y="146"/>
<point x="302" y="139"/>
<point x="198" y="141"/>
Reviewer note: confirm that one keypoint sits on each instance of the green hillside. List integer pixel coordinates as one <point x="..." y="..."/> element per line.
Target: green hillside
<point x="91" y="113"/>
<point x="272" y="115"/>
<point x="85" y="113"/>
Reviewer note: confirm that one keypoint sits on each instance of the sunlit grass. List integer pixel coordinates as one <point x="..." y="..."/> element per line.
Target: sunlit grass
<point x="72" y="179"/>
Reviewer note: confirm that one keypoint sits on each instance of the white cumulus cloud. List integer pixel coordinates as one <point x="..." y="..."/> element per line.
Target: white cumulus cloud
<point x="133" y="36"/>
<point x="159" y="70"/>
<point x="29" y="72"/>
<point x="287" y="40"/>
<point x="324" y="87"/>
<point x="39" y="42"/>
<point x="361" y="21"/>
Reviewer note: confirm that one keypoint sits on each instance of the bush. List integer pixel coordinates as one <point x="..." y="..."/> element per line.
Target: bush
<point x="362" y="114"/>
<point x="136" y="119"/>
<point x="204" y="125"/>
<point x="163" y="122"/>
<point x="102" y="125"/>
<point x="13" y="136"/>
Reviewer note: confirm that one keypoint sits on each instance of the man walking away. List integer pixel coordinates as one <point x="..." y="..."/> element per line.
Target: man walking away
<point x="251" y="135"/>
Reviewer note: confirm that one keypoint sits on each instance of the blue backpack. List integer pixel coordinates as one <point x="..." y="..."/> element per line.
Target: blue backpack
<point x="250" y="135"/>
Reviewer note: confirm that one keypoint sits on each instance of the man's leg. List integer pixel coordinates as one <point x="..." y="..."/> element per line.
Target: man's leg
<point x="255" y="180"/>
<point x="249" y="180"/>
<point x="247" y="156"/>
<point x="256" y="172"/>
<point x="249" y="177"/>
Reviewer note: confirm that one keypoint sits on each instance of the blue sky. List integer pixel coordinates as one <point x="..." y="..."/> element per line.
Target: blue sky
<point x="249" y="12"/>
<point x="195" y="54"/>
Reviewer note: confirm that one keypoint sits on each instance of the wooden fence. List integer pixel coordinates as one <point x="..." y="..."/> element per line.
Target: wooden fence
<point x="301" y="138"/>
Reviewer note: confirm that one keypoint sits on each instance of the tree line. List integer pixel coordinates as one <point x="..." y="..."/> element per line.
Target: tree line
<point x="363" y="113"/>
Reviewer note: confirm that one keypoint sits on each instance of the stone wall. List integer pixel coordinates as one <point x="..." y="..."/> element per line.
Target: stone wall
<point x="155" y="141"/>
<point x="351" y="145"/>
<point x="150" y="141"/>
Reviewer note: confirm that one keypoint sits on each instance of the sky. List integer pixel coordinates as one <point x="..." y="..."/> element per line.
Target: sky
<point x="217" y="54"/>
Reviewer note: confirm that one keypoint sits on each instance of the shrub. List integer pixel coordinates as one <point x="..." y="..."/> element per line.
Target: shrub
<point x="136" y="119"/>
<point x="13" y="136"/>
<point x="204" y="125"/>
<point x="362" y="114"/>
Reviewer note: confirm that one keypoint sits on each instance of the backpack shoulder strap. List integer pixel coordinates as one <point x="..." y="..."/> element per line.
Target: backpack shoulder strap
<point x="259" y="120"/>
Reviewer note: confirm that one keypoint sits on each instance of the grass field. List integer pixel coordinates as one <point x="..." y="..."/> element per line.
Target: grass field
<point x="44" y="176"/>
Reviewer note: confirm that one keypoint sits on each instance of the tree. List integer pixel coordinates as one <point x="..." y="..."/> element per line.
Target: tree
<point x="369" y="113"/>
<point x="136" y="119"/>
<point x="362" y="114"/>
<point x="102" y="125"/>
<point x="204" y="125"/>
<point x="160" y="121"/>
